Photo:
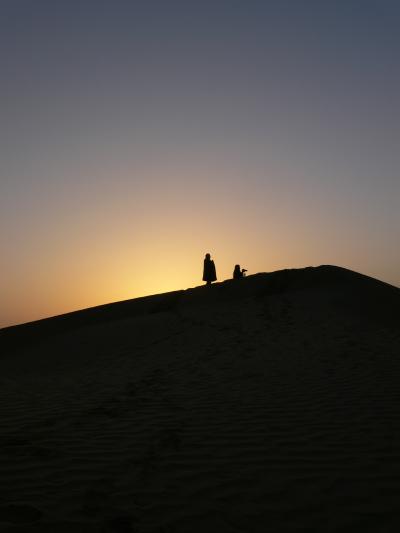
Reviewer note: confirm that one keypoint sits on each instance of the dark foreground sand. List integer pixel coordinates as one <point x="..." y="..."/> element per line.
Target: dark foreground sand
<point x="270" y="404"/>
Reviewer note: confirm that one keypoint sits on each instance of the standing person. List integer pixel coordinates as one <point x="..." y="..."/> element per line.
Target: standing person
<point x="209" y="273"/>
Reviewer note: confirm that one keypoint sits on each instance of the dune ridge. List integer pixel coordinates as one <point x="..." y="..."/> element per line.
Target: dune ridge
<point x="266" y="404"/>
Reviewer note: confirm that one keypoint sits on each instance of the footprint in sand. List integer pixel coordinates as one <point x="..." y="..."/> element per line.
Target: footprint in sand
<point x="97" y="499"/>
<point x="19" y="514"/>
<point x="118" y="524"/>
<point x="108" y="409"/>
<point x="131" y="389"/>
<point x="15" y="442"/>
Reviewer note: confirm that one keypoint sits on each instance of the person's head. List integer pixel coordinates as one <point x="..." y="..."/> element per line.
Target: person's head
<point x="237" y="267"/>
<point x="208" y="256"/>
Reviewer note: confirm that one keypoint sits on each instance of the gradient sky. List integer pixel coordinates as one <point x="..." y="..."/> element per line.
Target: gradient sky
<point x="137" y="136"/>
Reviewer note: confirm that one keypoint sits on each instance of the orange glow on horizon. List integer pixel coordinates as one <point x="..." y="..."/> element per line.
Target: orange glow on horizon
<point x="125" y="241"/>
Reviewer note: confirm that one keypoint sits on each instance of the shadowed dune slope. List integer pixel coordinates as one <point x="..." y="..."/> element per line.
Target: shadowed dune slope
<point x="270" y="403"/>
<point x="346" y="290"/>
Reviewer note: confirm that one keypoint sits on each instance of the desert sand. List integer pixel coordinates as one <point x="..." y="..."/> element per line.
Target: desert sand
<point x="267" y="404"/>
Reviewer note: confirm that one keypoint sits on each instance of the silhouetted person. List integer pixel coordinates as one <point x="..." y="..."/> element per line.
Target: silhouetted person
<point x="209" y="273"/>
<point x="237" y="273"/>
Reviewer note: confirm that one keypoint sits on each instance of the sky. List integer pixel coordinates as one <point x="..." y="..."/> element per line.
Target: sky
<point x="136" y="136"/>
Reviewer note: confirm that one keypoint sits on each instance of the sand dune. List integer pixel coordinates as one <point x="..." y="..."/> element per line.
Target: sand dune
<point x="267" y="404"/>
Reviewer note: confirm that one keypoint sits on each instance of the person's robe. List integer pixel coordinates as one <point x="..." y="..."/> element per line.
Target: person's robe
<point x="209" y="273"/>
